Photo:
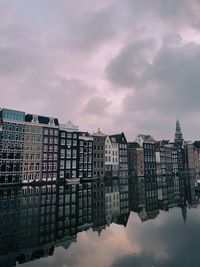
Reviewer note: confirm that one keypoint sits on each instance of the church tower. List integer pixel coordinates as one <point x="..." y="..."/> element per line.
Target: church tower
<point x="178" y="135"/>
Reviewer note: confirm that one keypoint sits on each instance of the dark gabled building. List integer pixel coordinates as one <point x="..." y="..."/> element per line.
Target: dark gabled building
<point x="148" y="144"/>
<point x="99" y="154"/>
<point x="68" y="153"/>
<point x="135" y="159"/>
<point x="85" y="158"/>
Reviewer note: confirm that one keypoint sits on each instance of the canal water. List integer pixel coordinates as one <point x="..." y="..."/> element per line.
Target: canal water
<point x="90" y="225"/>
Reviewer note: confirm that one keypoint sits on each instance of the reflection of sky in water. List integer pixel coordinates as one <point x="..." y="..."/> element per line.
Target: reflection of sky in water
<point x="165" y="241"/>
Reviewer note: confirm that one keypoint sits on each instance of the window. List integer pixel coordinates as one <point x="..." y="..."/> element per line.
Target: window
<point x="69" y="135"/>
<point x="50" y="167"/>
<point x="51" y="121"/>
<point x="61" y="174"/>
<point x="44" y="166"/>
<point x="68" y="164"/>
<point x="63" y="142"/>
<point x="38" y="139"/>
<point x="35" y="118"/>
<point x="90" y="144"/>
<point x="69" y="142"/>
<point x="27" y="130"/>
<point x="56" y="132"/>
<point x="74" y="153"/>
<point x="27" y="137"/>
<point x="74" y="164"/>
<point x="68" y="153"/>
<point x="62" y="164"/>
<point x="63" y="134"/>
<point x="46" y="131"/>
<point x="62" y="153"/>
<point x="74" y="143"/>
<point x="37" y="168"/>
<point x="73" y="173"/>
<point x="55" y="166"/>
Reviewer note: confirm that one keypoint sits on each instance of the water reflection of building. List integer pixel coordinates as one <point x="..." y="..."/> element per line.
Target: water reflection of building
<point x="10" y="220"/>
<point x="84" y="206"/>
<point x="168" y="192"/>
<point x="66" y="210"/>
<point x="47" y="216"/>
<point x="112" y="197"/>
<point x="36" y="219"/>
<point x="137" y="193"/>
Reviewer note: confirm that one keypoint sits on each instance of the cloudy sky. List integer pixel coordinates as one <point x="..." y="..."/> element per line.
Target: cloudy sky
<point x="121" y="65"/>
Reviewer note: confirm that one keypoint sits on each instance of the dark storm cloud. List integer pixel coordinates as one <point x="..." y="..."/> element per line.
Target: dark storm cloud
<point x="128" y="67"/>
<point x="165" y="85"/>
<point x="172" y="78"/>
<point x="97" y="106"/>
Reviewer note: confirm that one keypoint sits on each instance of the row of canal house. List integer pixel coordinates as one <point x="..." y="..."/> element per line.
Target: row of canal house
<point x="148" y="157"/>
<point x="37" y="148"/>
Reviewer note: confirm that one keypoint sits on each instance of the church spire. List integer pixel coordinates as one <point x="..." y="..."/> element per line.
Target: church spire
<point x="178" y="134"/>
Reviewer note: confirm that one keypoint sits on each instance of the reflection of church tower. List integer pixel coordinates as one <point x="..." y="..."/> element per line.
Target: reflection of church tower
<point x="178" y="135"/>
<point x="184" y="213"/>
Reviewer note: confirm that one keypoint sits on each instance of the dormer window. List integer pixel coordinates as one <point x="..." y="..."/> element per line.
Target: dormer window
<point x="51" y="121"/>
<point x="35" y="118"/>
